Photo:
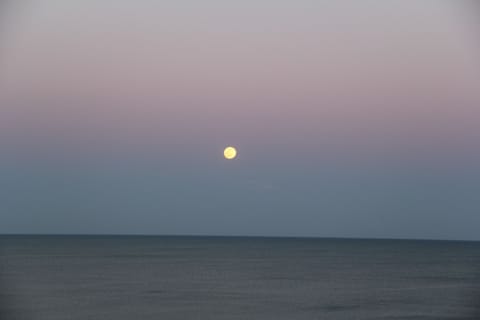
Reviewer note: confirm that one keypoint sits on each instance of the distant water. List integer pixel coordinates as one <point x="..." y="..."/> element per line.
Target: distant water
<point x="120" y="278"/>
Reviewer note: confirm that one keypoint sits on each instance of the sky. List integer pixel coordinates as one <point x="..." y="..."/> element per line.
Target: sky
<point x="351" y="118"/>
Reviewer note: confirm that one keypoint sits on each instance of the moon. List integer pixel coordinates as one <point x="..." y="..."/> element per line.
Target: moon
<point x="230" y="153"/>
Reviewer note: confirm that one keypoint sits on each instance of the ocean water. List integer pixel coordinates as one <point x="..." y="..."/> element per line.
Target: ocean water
<point x="95" y="277"/>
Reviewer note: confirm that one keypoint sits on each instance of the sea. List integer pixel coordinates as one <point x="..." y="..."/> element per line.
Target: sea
<point x="233" y="278"/>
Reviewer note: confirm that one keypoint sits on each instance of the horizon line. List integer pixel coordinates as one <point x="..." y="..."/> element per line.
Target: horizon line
<point x="139" y="235"/>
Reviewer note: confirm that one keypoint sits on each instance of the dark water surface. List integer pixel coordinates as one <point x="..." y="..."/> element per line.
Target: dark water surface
<point x="95" y="277"/>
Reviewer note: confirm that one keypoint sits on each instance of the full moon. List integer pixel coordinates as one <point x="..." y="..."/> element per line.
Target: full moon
<point x="230" y="153"/>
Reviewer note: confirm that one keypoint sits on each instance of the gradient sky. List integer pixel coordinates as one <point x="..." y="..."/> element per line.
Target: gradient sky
<point x="352" y="118"/>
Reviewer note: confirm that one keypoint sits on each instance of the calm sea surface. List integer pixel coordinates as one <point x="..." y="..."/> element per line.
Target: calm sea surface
<point x="73" y="277"/>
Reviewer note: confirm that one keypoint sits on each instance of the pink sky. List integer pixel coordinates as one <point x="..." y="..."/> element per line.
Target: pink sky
<point x="375" y="76"/>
